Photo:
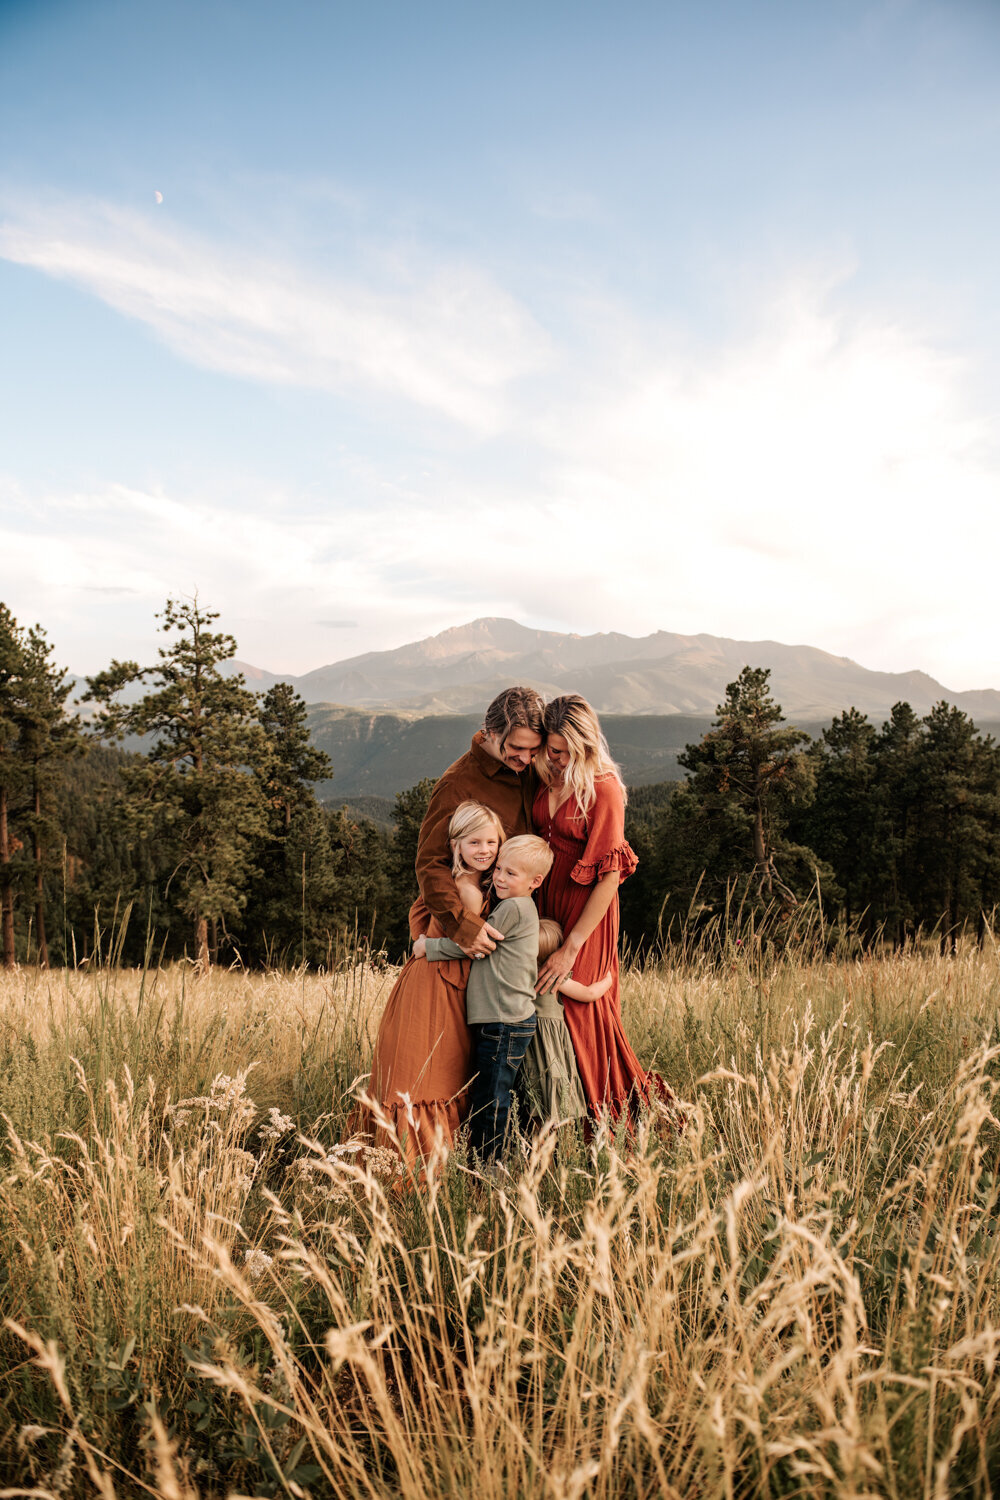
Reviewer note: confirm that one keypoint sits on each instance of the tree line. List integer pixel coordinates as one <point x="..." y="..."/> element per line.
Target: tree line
<point x="887" y="830"/>
<point x="187" y="802"/>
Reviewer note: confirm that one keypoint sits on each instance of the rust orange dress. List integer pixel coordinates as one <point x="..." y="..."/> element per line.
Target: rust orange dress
<point x="584" y="849"/>
<point x="422" y="1062"/>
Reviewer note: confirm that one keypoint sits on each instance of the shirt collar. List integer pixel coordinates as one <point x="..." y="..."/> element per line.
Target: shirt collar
<point x="486" y="762"/>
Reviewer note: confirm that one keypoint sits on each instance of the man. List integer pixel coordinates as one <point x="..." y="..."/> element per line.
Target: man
<point x="497" y="771"/>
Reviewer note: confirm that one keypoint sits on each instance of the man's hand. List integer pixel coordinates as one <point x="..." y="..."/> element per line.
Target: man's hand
<point x="485" y="942"/>
<point x="420" y="947"/>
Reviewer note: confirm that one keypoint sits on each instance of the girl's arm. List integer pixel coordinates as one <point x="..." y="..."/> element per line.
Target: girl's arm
<point x="471" y="892"/>
<point x="560" y="963"/>
<point x="587" y="993"/>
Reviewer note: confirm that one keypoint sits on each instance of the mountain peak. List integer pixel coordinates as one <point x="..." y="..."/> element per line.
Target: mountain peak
<point x="460" y="669"/>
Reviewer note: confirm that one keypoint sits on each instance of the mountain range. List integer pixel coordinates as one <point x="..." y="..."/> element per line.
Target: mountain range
<point x="460" y="670"/>
<point x="388" y="718"/>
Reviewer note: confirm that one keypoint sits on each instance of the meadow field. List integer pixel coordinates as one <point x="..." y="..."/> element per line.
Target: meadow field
<point x="205" y="1292"/>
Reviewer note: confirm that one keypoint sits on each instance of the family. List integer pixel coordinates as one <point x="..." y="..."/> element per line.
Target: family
<point x="524" y="993"/>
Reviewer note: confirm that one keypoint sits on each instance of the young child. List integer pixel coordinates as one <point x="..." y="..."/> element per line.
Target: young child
<point x="500" y="999"/>
<point x="549" y="1080"/>
<point x="475" y="834"/>
<point x="422" y="1060"/>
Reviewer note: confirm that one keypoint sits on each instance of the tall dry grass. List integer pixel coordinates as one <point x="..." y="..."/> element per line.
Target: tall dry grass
<point x="206" y="1293"/>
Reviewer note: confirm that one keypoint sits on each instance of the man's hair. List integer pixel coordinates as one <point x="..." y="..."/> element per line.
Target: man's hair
<point x="529" y="853"/>
<point x="550" y="936"/>
<point x="514" y="708"/>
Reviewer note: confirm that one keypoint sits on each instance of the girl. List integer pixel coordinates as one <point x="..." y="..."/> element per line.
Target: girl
<point x="423" y="1048"/>
<point x="475" y="835"/>
<point x="550" y="1080"/>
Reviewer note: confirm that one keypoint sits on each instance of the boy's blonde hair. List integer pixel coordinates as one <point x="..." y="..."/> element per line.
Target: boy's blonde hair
<point x="531" y="853"/>
<point x="550" y="936"/>
<point x="465" y="820"/>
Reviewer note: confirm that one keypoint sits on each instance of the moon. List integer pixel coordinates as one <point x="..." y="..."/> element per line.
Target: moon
<point x="158" y="196"/>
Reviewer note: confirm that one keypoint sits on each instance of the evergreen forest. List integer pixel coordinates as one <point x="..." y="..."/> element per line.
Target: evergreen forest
<point x="176" y="815"/>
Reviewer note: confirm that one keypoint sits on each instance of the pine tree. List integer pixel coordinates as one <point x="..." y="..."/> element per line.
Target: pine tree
<point x="897" y="778"/>
<point x="955" y="835"/>
<point x="14" y="670"/>
<point x="288" y="908"/>
<point x="34" y="734"/>
<point x="292" y="762"/>
<point x="198" y="788"/>
<point x="840" y="823"/>
<point x="408" y="814"/>
<point x="48" y="736"/>
<point x="748" y="770"/>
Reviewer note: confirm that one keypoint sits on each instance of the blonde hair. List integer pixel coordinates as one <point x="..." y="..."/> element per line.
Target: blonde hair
<point x="550" y="936"/>
<point x="589" y="757"/>
<point x="532" y="854"/>
<point x="467" y="817"/>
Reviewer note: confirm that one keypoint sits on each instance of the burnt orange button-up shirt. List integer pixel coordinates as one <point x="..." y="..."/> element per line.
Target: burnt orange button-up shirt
<point x="476" y="776"/>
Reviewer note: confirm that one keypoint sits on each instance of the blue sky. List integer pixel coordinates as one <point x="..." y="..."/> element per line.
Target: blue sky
<point x="632" y="317"/>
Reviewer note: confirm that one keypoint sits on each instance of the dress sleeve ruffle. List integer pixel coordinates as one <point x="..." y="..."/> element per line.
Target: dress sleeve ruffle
<point x="620" y="859"/>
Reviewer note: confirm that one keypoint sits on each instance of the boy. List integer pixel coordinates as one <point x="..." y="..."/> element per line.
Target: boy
<point x="500" y="999"/>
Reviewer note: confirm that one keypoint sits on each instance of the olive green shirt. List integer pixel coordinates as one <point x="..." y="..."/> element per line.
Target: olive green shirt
<point x="501" y="985"/>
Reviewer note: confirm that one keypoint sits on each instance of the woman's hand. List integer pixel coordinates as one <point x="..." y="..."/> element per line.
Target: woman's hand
<point x="558" y="966"/>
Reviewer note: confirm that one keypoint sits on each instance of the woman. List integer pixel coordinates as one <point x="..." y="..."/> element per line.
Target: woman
<point x="580" y="811"/>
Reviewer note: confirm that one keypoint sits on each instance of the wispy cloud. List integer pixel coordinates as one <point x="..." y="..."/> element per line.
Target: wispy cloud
<point x="441" y="335"/>
<point x="825" y="476"/>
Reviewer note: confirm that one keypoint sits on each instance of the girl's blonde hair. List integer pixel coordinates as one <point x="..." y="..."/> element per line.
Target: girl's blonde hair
<point x="589" y="757"/>
<point x="550" y="936"/>
<point x="465" y="820"/>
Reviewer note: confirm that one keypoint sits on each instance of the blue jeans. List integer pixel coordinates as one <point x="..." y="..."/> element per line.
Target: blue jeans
<point x="498" y="1049"/>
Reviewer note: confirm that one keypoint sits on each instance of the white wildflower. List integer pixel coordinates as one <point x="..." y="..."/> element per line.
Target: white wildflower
<point x="277" y="1126"/>
<point x="383" y="1162"/>
<point x="255" y="1263"/>
<point x="244" y="1164"/>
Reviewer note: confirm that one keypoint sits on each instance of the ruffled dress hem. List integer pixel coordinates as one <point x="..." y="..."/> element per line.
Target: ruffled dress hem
<point x="415" y="1129"/>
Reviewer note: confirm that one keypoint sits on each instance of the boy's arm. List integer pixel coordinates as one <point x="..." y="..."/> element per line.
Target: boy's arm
<point x="438" y="948"/>
<point x="586" y="993"/>
<point x="504" y="918"/>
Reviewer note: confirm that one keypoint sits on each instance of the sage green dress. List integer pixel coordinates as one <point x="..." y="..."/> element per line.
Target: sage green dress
<point x="549" y="1080"/>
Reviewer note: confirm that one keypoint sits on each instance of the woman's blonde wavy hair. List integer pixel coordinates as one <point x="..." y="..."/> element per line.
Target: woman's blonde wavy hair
<point x="467" y="817"/>
<point x="589" y="757"/>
